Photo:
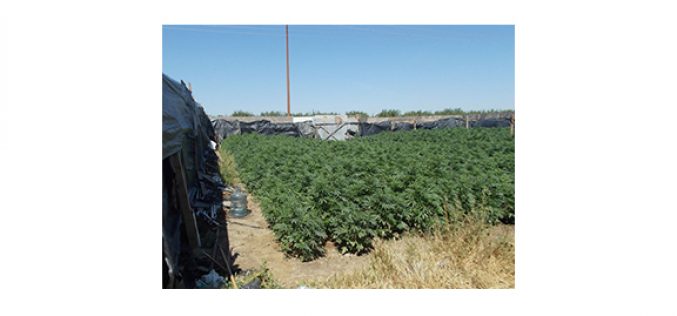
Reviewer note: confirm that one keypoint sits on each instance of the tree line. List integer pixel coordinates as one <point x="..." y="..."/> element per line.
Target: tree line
<point x="383" y="113"/>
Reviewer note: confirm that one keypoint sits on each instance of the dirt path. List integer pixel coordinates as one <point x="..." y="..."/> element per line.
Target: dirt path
<point x="253" y="243"/>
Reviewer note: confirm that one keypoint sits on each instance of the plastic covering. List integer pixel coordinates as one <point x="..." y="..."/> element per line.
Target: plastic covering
<point x="367" y="129"/>
<point x="320" y="129"/>
<point x="187" y="132"/>
<point x="224" y="128"/>
<point x="402" y="126"/>
<point x="490" y="123"/>
<point x="443" y="123"/>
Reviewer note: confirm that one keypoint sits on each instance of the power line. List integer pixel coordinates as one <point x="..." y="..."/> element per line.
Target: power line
<point x="222" y="31"/>
<point x="241" y="32"/>
<point x="317" y="33"/>
<point x="286" y="33"/>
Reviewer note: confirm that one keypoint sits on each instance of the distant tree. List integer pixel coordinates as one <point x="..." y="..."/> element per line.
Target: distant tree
<point x="359" y="114"/>
<point x="273" y="113"/>
<point x="241" y="113"/>
<point x="314" y="113"/>
<point x="388" y="113"/>
<point x="490" y="111"/>
<point x="418" y="113"/>
<point x="450" y="111"/>
<point x="320" y="113"/>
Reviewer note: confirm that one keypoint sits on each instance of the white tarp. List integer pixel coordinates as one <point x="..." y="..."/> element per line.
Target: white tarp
<point x="335" y="127"/>
<point x="298" y="119"/>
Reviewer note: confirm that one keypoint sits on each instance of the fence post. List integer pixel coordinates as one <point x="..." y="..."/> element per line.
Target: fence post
<point x="512" y="125"/>
<point x="466" y="121"/>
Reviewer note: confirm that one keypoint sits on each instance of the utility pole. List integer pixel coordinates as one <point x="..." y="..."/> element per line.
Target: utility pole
<point x="286" y="31"/>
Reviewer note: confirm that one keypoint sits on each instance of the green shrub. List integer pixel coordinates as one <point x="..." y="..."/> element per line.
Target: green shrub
<point x="388" y="113"/>
<point x="417" y="113"/>
<point x="273" y="113"/>
<point x="351" y="192"/>
<point x="241" y="113"/>
<point x="359" y="114"/>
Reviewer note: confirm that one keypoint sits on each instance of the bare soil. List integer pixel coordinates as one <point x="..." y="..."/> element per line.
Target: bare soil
<point x="253" y="243"/>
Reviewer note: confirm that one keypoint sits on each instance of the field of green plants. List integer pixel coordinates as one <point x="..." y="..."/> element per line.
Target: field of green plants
<point x="351" y="192"/>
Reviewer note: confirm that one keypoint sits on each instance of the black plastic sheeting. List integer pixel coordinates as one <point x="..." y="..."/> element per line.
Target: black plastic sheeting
<point x="186" y="131"/>
<point x="224" y="128"/>
<point x="402" y="126"/>
<point x="490" y="123"/>
<point x="443" y="123"/>
<point x="367" y="129"/>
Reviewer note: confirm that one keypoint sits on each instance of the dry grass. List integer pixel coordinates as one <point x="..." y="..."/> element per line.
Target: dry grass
<point x="466" y="255"/>
<point x="228" y="167"/>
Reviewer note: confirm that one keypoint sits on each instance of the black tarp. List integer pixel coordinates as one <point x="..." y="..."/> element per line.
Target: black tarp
<point x="443" y="123"/>
<point x="402" y="126"/>
<point x="224" y="128"/>
<point x="186" y="132"/>
<point x="186" y="129"/>
<point x="288" y="129"/>
<point x="254" y="127"/>
<point x="490" y="123"/>
<point x="367" y="129"/>
<point x="450" y="123"/>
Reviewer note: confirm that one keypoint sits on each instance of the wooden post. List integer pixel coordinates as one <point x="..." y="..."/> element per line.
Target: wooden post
<point x="184" y="204"/>
<point x="466" y="122"/>
<point x="512" y="125"/>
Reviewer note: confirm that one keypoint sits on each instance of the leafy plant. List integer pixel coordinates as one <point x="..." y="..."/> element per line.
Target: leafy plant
<point x="388" y="113"/>
<point x="241" y="113"/>
<point x="351" y="192"/>
<point x="417" y="113"/>
<point x="273" y="113"/>
<point x="359" y="114"/>
<point x="450" y="111"/>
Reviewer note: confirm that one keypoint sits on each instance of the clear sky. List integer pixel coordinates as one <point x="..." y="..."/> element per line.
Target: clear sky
<point x="338" y="68"/>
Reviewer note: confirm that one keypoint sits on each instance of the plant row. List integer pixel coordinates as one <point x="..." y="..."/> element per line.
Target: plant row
<point x="351" y="192"/>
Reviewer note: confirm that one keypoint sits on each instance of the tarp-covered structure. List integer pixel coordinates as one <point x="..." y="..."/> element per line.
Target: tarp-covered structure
<point x="340" y="127"/>
<point x="367" y="128"/>
<point x="225" y="128"/>
<point x="191" y="184"/>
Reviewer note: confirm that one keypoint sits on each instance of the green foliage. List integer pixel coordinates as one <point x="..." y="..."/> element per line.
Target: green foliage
<point x="314" y="113"/>
<point x="273" y="113"/>
<point x="417" y="113"/>
<point x="359" y="114"/>
<point x="241" y="113"/>
<point x="388" y="113"/>
<point x="350" y="192"/>
<point x="488" y="111"/>
<point x="450" y="111"/>
<point x="228" y="169"/>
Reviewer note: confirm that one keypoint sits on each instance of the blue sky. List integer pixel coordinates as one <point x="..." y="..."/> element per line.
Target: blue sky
<point x="338" y="68"/>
